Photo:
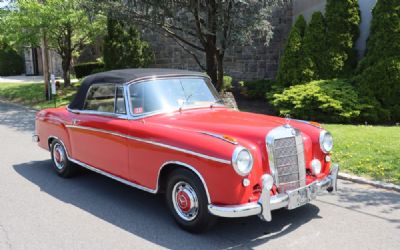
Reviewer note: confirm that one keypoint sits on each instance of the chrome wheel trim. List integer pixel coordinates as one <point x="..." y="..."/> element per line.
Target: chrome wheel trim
<point x="59" y="156"/>
<point x="186" y="203"/>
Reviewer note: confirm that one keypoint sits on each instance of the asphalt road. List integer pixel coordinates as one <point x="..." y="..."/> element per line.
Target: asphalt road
<point x="39" y="210"/>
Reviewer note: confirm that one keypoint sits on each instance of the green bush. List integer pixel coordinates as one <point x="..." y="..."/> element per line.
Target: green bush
<point x="315" y="45"/>
<point x="294" y="66"/>
<point x="123" y="47"/>
<point x="227" y="84"/>
<point x="342" y="20"/>
<point x="256" y="89"/>
<point x="85" y="69"/>
<point x="11" y="63"/>
<point x="324" y="100"/>
<point x="378" y="74"/>
<point x="381" y="84"/>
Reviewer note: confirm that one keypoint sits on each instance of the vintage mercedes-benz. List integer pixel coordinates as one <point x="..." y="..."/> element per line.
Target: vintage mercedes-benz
<point x="167" y="131"/>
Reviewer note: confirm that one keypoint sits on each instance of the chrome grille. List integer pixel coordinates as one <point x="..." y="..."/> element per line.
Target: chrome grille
<point x="286" y="158"/>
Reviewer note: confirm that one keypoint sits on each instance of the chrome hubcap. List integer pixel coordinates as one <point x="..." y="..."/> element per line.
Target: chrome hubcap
<point x="59" y="156"/>
<point x="185" y="201"/>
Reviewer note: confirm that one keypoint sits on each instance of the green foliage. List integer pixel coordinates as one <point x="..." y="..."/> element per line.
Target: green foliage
<point x="324" y="100"/>
<point x="11" y="63"/>
<point x="65" y="23"/>
<point x="380" y="84"/>
<point x="227" y="84"/>
<point x="315" y="45"/>
<point x="342" y="20"/>
<point x="123" y="47"/>
<point x="85" y="69"/>
<point x="295" y="67"/>
<point x="256" y="89"/>
<point x="378" y="74"/>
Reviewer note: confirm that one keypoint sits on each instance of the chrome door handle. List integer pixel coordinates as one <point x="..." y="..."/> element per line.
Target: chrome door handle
<point x="75" y="121"/>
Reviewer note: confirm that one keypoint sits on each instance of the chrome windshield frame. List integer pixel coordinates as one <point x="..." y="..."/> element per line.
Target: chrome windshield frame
<point x="144" y="115"/>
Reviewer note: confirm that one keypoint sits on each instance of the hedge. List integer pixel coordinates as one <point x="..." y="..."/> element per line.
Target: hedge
<point x="85" y="69"/>
<point x="324" y="100"/>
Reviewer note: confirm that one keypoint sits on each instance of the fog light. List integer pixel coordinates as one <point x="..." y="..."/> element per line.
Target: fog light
<point x="246" y="182"/>
<point x="316" y="167"/>
<point x="267" y="181"/>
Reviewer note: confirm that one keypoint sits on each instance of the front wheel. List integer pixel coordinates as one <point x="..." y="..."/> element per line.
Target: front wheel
<point x="62" y="165"/>
<point x="187" y="201"/>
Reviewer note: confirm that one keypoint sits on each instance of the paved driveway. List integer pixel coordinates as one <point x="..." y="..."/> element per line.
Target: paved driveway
<point x="39" y="210"/>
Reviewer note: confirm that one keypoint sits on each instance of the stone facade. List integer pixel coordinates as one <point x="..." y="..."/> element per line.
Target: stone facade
<point x="249" y="62"/>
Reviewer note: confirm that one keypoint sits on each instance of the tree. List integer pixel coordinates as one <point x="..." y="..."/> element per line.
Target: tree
<point x="11" y="63"/>
<point x="65" y="23"/>
<point x="123" y="47"/>
<point x="378" y="74"/>
<point x="295" y="67"/>
<point x="315" y="45"/>
<point x="342" y="20"/>
<point x="207" y="27"/>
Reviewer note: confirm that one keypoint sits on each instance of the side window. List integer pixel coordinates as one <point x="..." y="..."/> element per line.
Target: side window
<point x="101" y="98"/>
<point x="120" y="107"/>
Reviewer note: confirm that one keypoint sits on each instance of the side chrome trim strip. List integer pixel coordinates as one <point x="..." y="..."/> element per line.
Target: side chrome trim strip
<point x="129" y="183"/>
<point x="188" y="167"/>
<point x="126" y="182"/>
<point x="152" y="142"/>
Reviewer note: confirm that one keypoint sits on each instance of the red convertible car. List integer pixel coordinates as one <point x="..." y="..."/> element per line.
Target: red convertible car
<point x="167" y="131"/>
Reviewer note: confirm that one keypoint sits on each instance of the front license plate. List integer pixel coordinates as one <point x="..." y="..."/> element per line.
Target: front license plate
<point x="301" y="196"/>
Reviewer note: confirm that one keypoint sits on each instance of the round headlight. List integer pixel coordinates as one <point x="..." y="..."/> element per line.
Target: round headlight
<point x="242" y="161"/>
<point x="326" y="141"/>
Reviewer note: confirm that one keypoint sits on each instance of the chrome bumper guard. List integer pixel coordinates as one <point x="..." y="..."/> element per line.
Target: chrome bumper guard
<point x="267" y="203"/>
<point x="35" y="138"/>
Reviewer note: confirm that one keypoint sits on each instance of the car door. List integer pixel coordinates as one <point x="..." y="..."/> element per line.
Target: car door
<point x="97" y="132"/>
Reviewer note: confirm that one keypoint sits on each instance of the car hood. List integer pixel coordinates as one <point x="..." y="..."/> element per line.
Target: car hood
<point x="248" y="126"/>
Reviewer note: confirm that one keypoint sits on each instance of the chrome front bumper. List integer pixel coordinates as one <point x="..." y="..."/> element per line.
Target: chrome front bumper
<point x="267" y="203"/>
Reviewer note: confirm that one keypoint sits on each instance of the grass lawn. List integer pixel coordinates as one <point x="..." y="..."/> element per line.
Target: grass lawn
<point x="32" y="94"/>
<point x="371" y="151"/>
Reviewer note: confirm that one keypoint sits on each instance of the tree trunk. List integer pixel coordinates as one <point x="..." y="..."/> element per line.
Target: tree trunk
<point x="45" y="60"/>
<point x="66" y="67"/>
<point x="211" y="66"/>
<point x="220" y="66"/>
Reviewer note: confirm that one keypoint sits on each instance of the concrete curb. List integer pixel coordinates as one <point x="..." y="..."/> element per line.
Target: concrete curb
<point x="361" y="180"/>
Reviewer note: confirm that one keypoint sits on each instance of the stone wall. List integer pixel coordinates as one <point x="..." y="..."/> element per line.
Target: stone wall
<point x="249" y="62"/>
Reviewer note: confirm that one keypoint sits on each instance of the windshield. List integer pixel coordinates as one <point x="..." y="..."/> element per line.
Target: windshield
<point x="171" y="94"/>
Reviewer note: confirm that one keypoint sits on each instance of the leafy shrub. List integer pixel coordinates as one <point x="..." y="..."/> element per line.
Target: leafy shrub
<point x="123" y="47"/>
<point x="294" y="66"/>
<point x="378" y="74"/>
<point x="315" y="45"/>
<point x="381" y="84"/>
<point x="342" y="20"/>
<point x="85" y="69"/>
<point x="256" y="89"/>
<point x="227" y="84"/>
<point x="11" y="63"/>
<point x="324" y="100"/>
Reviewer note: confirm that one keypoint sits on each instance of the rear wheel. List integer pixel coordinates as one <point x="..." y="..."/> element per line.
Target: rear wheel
<point x="62" y="165"/>
<point x="187" y="201"/>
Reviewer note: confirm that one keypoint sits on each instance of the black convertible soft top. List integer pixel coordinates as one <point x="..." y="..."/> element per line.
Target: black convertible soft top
<point x="123" y="76"/>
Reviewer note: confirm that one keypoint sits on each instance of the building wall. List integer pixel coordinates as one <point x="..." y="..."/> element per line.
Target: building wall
<point x="248" y="62"/>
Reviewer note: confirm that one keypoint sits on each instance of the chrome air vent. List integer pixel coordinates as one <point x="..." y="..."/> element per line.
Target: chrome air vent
<point x="286" y="158"/>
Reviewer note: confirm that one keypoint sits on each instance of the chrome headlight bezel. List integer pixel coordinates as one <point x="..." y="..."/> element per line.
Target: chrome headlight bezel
<point x="325" y="141"/>
<point x="235" y="157"/>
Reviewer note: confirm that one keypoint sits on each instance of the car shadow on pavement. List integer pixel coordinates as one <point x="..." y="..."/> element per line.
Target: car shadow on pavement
<point x="146" y="215"/>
